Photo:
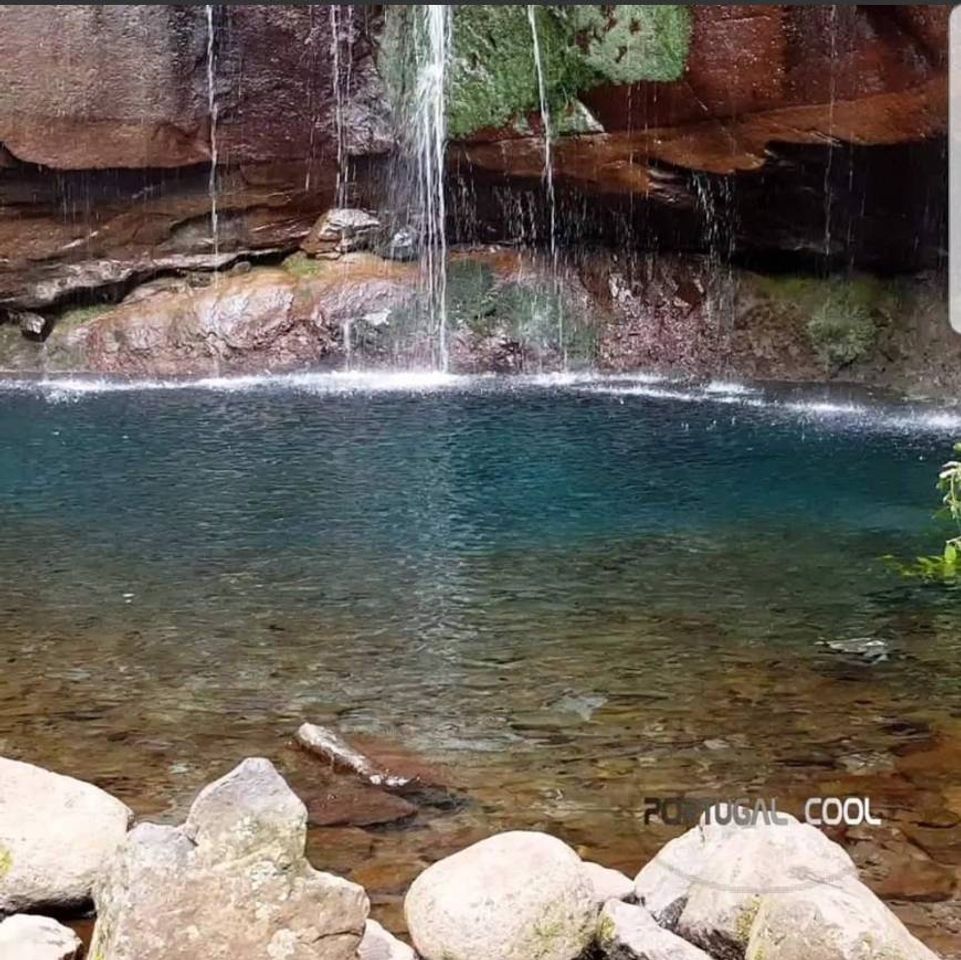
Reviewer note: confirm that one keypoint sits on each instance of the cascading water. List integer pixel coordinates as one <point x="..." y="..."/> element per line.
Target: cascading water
<point x="548" y="175"/>
<point x="341" y="36"/>
<point x="432" y="49"/>
<point x="212" y="114"/>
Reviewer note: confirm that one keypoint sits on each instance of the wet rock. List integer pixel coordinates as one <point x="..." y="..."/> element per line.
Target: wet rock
<point x="32" y="325"/>
<point x="608" y="884"/>
<point x="378" y="944"/>
<point x="377" y="762"/>
<point x="341" y="230"/>
<point x="232" y="882"/>
<point x="263" y="320"/>
<point x="403" y="245"/>
<point x="56" y="836"/>
<point x="627" y="932"/>
<point x="510" y="897"/>
<point x="30" y="937"/>
<point x="331" y="746"/>
<point x="828" y="922"/>
<point x="867" y="649"/>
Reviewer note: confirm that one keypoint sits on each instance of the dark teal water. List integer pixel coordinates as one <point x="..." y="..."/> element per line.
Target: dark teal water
<point x="550" y="584"/>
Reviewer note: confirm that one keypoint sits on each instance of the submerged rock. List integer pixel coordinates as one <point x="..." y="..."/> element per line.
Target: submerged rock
<point x="513" y="896"/>
<point x="627" y="932"/>
<point x="232" y="883"/>
<point x="56" y="836"/>
<point x="331" y="746"/>
<point x="29" y="937"/>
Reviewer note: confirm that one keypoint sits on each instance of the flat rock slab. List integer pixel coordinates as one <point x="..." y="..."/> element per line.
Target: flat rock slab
<point x="627" y="932"/>
<point x="30" y="937"/>
<point x="56" y="836"/>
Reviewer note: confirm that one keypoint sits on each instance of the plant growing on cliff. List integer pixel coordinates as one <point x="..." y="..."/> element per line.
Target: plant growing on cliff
<point x="493" y="74"/>
<point x="842" y="329"/>
<point x="946" y="565"/>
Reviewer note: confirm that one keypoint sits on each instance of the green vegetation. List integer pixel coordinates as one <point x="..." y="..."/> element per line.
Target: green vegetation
<point x="300" y="265"/>
<point x="78" y="315"/>
<point x="6" y="862"/>
<point x="946" y="565"/>
<point x="843" y="315"/>
<point x="493" y="76"/>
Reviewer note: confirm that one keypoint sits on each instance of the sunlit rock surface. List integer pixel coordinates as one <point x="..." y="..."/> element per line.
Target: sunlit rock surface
<point x="56" y="836"/>
<point x="232" y="883"/>
<point x="510" y="897"/>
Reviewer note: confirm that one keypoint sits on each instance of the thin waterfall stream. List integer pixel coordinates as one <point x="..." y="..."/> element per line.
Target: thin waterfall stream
<point x="548" y="175"/>
<point x="433" y="48"/>
<point x="212" y="114"/>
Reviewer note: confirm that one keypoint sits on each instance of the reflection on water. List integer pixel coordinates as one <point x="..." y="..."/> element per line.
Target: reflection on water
<point x="575" y="591"/>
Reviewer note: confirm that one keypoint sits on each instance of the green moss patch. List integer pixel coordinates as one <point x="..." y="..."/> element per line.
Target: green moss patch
<point x="300" y="265"/>
<point x="493" y="73"/>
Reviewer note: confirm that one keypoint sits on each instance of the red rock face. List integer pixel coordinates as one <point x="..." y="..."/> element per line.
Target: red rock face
<point x="105" y="141"/>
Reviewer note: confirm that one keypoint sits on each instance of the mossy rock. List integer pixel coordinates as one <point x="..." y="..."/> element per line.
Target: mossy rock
<point x="493" y="72"/>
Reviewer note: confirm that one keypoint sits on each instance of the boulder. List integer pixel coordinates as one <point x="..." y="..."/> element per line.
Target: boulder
<point x="378" y="944"/>
<point x="513" y="896"/>
<point x="341" y="230"/>
<point x="56" y="835"/>
<point x="29" y="937"/>
<point x="232" y="883"/>
<point x="746" y="866"/>
<point x="827" y="922"/>
<point x="32" y="325"/>
<point x="608" y="884"/>
<point x="627" y="932"/>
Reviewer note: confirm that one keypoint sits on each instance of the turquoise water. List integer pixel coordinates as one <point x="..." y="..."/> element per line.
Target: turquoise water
<point x="550" y="584"/>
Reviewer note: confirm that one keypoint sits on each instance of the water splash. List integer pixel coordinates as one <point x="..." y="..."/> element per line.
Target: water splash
<point x="212" y="115"/>
<point x="548" y="174"/>
<point x="433" y="50"/>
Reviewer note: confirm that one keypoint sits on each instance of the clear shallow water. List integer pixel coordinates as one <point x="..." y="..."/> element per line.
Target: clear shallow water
<point x="576" y="591"/>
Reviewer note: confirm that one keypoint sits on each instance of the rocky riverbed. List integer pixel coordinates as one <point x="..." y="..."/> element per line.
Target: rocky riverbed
<point x="233" y="881"/>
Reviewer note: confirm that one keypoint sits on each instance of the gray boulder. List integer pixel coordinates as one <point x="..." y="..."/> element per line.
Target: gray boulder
<point x="514" y="896"/>
<point x="627" y="932"/>
<point x="826" y="922"/>
<point x="29" y="937"/>
<point x="56" y="836"/>
<point x="231" y="884"/>
<point x="378" y="944"/>
<point x="341" y="230"/>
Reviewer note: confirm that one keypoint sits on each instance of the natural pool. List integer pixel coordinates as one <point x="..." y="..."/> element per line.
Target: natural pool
<point x="577" y="592"/>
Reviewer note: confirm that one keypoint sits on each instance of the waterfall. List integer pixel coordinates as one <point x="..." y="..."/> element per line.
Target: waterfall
<point x="212" y="114"/>
<point x="548" y="175"/>
<point x="341" y="34"/>
<point x="432" y="50"/>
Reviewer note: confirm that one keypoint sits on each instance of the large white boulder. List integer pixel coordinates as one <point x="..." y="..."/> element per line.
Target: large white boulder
<point x="627" y="932"/>
<point x="748" y="865"/>
<point x="56" y="834"/>
<point x="827" y="922"/>
<point x="514" y="896"/>
<point x="30" y="937"/>
<point x="231" y="884"/>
